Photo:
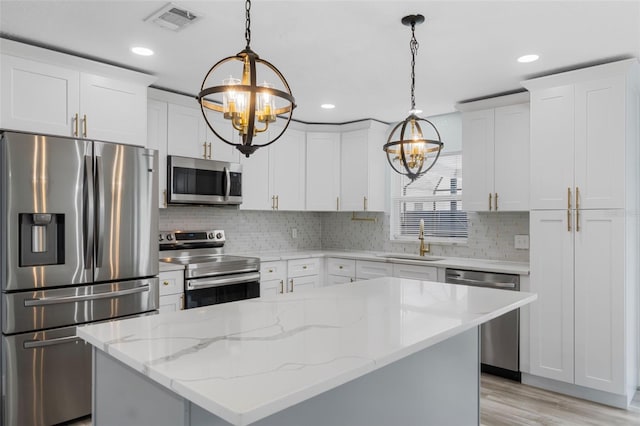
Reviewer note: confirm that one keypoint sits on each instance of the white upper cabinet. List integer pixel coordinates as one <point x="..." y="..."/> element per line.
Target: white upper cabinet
<point x="323" y="171"/>
<point x="187" y="132"/>
<point x="54" y="93"/>
<point x="581" y="138"/>
<point x="256" y="181"/>
<point x="362" y="169"/>
<point x="287" y="162"/>
<point x="495" y="154"/>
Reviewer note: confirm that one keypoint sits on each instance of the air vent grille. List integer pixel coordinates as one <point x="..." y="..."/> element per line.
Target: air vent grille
<point x="173" y="17"/>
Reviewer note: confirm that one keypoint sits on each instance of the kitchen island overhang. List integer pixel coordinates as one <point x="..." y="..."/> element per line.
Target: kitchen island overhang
<point x="349" y="353"/>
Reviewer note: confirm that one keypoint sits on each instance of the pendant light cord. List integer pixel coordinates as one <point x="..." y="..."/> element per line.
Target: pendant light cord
<point x="413" y="45"/>
<point x="247" y="30"/>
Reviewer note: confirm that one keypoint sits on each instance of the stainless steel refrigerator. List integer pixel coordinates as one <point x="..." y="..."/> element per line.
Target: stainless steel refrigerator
<point x="79" y="224"/>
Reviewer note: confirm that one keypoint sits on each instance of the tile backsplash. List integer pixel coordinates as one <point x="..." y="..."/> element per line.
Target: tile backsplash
<point x="491" y="235"/>
<point x="249" y="230"/>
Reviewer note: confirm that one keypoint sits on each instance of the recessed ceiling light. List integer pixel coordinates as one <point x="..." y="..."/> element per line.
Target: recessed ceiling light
<point x="528" y="58"/>
<point x="327" y="106"/>
<point x="142" y="51"/>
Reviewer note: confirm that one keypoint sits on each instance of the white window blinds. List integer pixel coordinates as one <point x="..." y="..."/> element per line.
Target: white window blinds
<point x="435" y="197"/>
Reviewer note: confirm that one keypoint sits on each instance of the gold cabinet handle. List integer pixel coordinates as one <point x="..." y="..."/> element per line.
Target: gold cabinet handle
<point x="204" y="150"/>
<point x="291" y="282"/>
<point x="165" y="282"/>
<point x="351" y="280"/>
<point x="495" y="202"/>
<point x="577" y="220"/>
<point x="77" y="124"/>
<point x="164" y="193"/>
<point x="273" y="202"/>
<point x="84" y="125"/>
<point x="365" y="203"/>
<point x="277" y="203"/>
<point x="281" y="286"/>
<point x="569" y="220"/>
<point x="337" y="203"/>
<point x="490" y="195"/>
<point x="182" y="302"/>
<point x="569" y="198"/>
<point x="577" y="198"/>
<point x="209" y="150"/>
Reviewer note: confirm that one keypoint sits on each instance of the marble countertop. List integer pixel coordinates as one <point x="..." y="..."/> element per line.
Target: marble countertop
<point x="246" y="360"/>
<point x="488" y="265"/>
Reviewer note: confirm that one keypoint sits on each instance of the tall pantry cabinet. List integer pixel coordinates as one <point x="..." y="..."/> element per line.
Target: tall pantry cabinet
<point x="585" y="130"/>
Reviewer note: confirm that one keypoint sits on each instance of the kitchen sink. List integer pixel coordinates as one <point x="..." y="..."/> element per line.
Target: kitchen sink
<point x="411" y="257"/>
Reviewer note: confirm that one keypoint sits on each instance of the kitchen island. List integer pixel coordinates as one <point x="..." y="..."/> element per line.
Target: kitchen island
<point x="378" y="352"/>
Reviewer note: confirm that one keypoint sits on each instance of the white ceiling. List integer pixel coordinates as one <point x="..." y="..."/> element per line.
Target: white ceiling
<point x="354" y="54"/>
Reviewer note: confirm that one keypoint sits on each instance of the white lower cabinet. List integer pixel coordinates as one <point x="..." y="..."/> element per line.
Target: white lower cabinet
<point x="171" y="291"/>
<point x="340" y="271"/>
<point x="280" y="277"/>
<point x="415" y="272"/>
<point x="366" y="270"/>
<point x="581" y="323"/>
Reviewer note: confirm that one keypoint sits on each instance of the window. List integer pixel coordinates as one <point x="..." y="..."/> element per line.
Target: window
<point x="435" y="197"/>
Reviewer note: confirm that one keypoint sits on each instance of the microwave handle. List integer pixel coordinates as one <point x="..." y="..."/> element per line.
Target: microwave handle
<point x="227" y="177"/>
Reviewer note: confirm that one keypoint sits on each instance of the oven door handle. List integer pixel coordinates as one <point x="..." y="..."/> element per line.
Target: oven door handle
<point x="219" y="282"/>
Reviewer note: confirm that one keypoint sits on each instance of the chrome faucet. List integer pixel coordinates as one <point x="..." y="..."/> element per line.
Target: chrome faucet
<point x="423" y="249"/>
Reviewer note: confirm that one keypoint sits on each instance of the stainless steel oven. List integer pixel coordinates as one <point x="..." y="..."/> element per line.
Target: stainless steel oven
<point x="210" y="277"/>
<point x="197" y="181"/>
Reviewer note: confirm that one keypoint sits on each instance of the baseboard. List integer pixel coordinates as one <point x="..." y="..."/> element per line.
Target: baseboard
<point x="606" y="398"/>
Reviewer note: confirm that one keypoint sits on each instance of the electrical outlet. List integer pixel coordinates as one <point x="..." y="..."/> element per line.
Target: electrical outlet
<point x="521" y="242"/>
<point x="294" y="233"/>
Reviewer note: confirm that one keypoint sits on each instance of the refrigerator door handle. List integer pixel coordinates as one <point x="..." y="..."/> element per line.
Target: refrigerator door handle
<point x="100" y="215"/>
<point x="227" y="177"/>
<point x="88" y="212"/>
<point x="30" y="344"/>
<point x="73" y="299"/>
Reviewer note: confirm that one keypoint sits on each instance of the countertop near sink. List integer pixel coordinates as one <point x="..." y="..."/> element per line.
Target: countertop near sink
<point x="489" y="265"/>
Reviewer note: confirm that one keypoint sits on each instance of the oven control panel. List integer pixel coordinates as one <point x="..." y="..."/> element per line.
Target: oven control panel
<point x="177" y="238"/>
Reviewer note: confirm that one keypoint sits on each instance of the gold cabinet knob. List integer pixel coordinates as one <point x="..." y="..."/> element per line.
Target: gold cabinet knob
<point x="165" y="282"/>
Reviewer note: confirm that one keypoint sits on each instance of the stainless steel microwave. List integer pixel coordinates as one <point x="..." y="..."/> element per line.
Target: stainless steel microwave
<point x="196" y="181"/>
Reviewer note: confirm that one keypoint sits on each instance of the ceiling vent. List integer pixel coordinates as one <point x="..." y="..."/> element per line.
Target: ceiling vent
<point x="173" y="17"/>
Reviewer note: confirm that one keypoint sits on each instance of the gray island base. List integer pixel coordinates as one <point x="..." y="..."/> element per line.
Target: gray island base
<point x="438" y="385"/>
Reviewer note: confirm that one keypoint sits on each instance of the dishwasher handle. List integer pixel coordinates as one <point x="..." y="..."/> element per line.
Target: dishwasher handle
<point x="451" y="279"/>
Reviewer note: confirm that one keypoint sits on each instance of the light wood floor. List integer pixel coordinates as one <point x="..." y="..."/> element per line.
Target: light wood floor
<point x="507" y="403"/>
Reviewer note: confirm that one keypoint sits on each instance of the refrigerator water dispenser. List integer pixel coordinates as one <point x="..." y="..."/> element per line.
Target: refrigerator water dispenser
<point x="41" y="239"/>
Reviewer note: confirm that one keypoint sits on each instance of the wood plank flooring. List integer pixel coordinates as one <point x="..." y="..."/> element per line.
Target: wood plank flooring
<point x="507" y="403"/>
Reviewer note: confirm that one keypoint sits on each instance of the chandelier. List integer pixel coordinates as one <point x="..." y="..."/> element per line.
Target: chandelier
<point x="246" y="105"/>
<point x="408" y="151"/>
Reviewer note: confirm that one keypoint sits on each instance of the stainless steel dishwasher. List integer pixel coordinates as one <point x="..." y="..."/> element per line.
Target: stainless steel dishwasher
<point x="500" y="337"/>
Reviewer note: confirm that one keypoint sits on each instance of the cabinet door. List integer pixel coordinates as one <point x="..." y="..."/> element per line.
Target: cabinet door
<point x="186" y="133"/>
<point x="171" y="303"/>
<point x="323" y="171"/>
<point x="171" y="282"/>
<point x="256" y="192"/>
<point x="338" y="279"/>
<point x="600" y="143"/>
<point x="551" y="277"/>
<point x="353" y="170"/>
<point x="299" y="284"/>
<point x="220" y="150"/>
<point x="272" y="287"/>
<point x="113" y="110"/>
<point x="303" y="267"/>
<point x="477" y="160"/>
<point x="287" y="165"/>
<point x="415" y="272"/>
<point x="366" y="270"/>
<point x="511" y="158"/>
<point x="600" y="301"/>
<point x="552" y="147"/>
<point x="157" y="139"/>
<point x="38" y="97"/>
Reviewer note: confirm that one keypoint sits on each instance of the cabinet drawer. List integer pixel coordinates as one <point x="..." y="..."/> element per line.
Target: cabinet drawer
<point x="415" y="272"/>
<point x="171" y="282"/>
<point x="342" y="267"/>
<point x="338" y="279"/>
<point x="366" y="270"/>
<point x="276" y="270"/>
<point x="303" y="267"/>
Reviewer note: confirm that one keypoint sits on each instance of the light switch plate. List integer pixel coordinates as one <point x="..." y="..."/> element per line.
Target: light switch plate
<point x="294" y="233"/>
<point x="521" y="242"/>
